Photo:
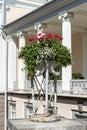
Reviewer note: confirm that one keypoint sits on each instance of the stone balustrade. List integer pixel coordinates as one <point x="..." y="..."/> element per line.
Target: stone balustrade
<point x="76" y="86"/>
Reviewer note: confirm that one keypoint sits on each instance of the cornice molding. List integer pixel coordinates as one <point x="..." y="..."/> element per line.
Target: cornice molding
<point x="39" y="15"/>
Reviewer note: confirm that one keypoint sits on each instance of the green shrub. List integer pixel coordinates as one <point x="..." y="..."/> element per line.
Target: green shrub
<point x="77" y="76"/>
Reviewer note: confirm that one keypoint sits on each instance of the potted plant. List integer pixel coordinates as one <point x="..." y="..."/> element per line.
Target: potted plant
<point x="44" y="48"/>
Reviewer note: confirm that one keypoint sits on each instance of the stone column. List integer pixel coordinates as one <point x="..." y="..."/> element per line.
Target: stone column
<point x="21" y="65"/>
<point x="66" y="34"/>
<point x="84" y="50"/>
<point x="11" y="62"/>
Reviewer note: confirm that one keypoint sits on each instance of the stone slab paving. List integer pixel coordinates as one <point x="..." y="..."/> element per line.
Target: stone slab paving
<point x="63" y="124"/>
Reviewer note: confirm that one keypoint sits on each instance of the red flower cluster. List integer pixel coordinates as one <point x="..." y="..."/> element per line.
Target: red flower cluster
<point x="42" y="36"/>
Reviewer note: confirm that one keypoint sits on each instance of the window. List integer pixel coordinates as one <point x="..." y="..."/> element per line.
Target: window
<point x="79" y="114"/>
<point x="12" y="109"/>
<point x="28" y="109"/>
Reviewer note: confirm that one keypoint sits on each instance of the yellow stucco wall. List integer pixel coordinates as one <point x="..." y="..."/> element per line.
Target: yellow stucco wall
<point x="77" y="52"/>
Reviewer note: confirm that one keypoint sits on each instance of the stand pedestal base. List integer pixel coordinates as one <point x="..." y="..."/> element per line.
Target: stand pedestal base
<point x="43" y="118"/>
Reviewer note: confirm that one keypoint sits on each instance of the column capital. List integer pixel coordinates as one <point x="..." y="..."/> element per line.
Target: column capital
<point x="38" y="26"/>
<point x="65" y="16"/>
<point x="20" y="34"/>
<point x="8" y="38"/>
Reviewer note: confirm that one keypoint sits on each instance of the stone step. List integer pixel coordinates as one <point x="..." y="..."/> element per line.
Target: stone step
<point x="1" y="124"/>
<point x="2" y="96"/>
<point x="2" y="100"/>
<point x="1" y="128"/>
<point x="2" y="110"/>
<point x="2" y="113"/>
<point x="2" y="119"/>
<point x="2" y="104"/>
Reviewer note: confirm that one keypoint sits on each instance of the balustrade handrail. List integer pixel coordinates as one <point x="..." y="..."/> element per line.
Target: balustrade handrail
<point x="78" y="79"/>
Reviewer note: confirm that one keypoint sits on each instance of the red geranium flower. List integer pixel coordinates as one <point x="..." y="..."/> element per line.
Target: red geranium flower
<point x="42" y="37"/>
<point x="31" y="39"/>
<point x="49" y="35"/>
<point x="58" y="36"/>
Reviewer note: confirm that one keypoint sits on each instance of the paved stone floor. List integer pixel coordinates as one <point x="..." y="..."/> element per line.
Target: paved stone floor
<point x="63" y="124"/>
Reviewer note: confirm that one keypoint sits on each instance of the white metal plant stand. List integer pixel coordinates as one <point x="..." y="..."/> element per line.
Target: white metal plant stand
<point x="37" y="82"/>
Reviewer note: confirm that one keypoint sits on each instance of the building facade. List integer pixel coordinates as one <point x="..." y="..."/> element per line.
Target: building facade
<point x="67" y="18"/>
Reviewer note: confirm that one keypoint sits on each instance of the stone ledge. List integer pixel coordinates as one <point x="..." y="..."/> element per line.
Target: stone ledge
<point x="63" y="124"/>
<point x="62" y="95"/>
